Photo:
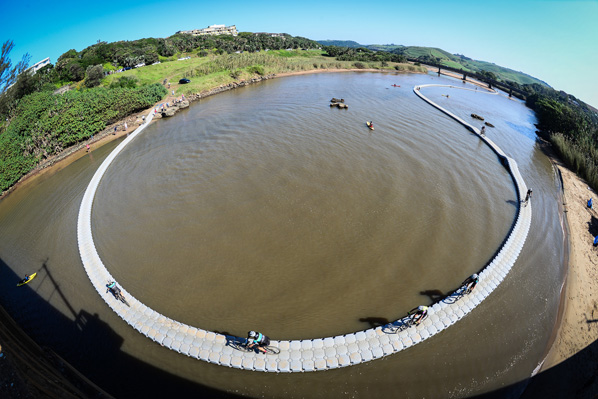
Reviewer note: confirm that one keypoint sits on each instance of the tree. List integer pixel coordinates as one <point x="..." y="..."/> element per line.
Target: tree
<point x="94" y="75"/>
<point x="8" y="73"/>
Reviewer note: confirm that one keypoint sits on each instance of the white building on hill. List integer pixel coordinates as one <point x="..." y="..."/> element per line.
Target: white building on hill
<point x="212" y="30"/>
<point x="39" y="65"/>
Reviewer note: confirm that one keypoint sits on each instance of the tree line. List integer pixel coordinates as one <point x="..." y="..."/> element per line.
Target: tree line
<point x="362" y="54"/>
<point x="570" y="125"/>
<point x="73" y="65"/>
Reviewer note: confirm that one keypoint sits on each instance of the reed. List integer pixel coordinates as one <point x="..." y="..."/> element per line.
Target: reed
<point x="579" y="155"/>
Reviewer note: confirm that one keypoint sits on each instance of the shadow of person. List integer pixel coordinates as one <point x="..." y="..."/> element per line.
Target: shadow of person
<point x="513" y="202"/>
<point x="434" y="295"/>
<point x="593" y="226"/>
<point x="375" y="321"/>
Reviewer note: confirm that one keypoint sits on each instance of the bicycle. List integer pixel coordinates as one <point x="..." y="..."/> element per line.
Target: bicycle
<point x="411" y="319"/>
<point x="242" y="346"/>
<point x="405" y="323"/>
<point x="118" y="294"/>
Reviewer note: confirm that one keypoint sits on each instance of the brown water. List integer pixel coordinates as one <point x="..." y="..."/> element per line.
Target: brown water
<point x="264" y="209"/>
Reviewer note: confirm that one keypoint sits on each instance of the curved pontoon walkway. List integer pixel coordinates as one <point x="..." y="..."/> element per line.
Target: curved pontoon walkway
<point x="309" y="354"/>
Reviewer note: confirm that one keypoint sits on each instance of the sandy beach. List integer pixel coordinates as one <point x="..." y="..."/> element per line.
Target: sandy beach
<point x="570" y="369"/>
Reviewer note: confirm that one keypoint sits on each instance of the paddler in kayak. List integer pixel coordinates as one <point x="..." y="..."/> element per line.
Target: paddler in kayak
<point x="27" y="279"/>
<point x="370" y="124"/>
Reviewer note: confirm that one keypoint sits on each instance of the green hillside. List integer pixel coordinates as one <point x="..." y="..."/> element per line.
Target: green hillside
<point x="431" y="54"/>
<point x="340" y="43"/>
<point x="439" y="56"/>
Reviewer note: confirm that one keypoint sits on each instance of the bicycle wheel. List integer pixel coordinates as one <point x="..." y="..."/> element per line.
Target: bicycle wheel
<point x="123" y="300"/>
<point x="240" y="346"/>
<point x="272" y="350"/>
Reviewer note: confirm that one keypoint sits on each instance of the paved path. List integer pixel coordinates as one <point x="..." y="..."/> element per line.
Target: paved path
<point x="309" y="354"/>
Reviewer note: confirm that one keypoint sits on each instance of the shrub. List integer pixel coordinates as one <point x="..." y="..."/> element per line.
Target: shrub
<point x="359" y="65"/>
<point x="256" y="69"/>
<point x="235" y="74"/>
<point x="45" y="124"/>
<point x="94" y="75"/>
<point x="125" y="82"/>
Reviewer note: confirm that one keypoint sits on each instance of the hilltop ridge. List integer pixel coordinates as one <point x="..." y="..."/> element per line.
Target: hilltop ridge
<point x="439" y="56"/>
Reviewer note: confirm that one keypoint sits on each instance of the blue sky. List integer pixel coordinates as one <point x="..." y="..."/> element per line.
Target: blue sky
<point x="555" y="41"/>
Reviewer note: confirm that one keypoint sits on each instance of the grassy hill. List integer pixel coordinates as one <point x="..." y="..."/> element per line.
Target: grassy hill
<point x="468" y="64"/>
<point x="207" y="72"/>
<point x="340" y="43"/>
<point x="444" y="58"/>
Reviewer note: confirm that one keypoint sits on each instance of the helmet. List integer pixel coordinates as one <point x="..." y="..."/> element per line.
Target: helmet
<point x="252" y="334"/>
<point x="421" y="307"/>
<point x="474" y="276"/>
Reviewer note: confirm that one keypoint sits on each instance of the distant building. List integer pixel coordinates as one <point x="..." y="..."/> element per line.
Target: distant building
<point x="270" y="34"/>
<point x="40" y="65"/>
<point x="212" y="30"/>
<point x="37" y="66"/>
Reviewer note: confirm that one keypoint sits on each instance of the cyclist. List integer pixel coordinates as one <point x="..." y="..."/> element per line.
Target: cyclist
<point x="419" y="313"/>
<point x="113" y="289"/>
<point x="257" y="339"/>
<point x="528" y="196"/>
<point x="470" y="282"/>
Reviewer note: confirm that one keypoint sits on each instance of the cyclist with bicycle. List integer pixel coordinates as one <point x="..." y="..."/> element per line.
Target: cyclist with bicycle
<point x="114" y="289"/>
<point x="257" y="339"/>
<point x="470" y="282"/>
<point x="418" y="314"/>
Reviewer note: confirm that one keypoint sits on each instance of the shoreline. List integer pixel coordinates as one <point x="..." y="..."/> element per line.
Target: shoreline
<point x="569" y="367"/>
<point x="73" y="153"/>
<point x="573" y="330"/>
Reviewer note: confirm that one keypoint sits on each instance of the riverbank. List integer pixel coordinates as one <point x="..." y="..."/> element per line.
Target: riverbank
<point x="570" y="368"/>
<point x="131" y="122"/>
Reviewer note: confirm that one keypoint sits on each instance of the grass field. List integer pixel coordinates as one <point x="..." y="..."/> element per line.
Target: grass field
<point x="214" y="70"/>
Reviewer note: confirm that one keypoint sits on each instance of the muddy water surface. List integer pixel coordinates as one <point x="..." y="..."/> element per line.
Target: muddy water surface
<point x="265" y="209"/>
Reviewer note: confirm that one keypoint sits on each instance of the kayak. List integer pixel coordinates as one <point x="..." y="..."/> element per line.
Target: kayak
<point x="25" y="281"/>
<point x="370" y="125"/>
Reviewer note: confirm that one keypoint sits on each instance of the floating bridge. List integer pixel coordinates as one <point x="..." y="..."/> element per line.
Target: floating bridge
<point x="308" y="354"/>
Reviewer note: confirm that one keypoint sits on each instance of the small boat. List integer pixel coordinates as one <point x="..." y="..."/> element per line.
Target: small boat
<point x="26" y="279"/>
<point x="396" y="85"/>
<point x="488" y="124"/>
<point x="370" y="124"/>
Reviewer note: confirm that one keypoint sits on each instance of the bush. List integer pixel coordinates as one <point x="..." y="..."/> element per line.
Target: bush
<point x="125" y="82"/>
<point x="235" y="74"/>
<point x="94" y="75"/>
<point x="256" y="69"/>
<point x="45" y="124"/>
<point x="359" y="65"/>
